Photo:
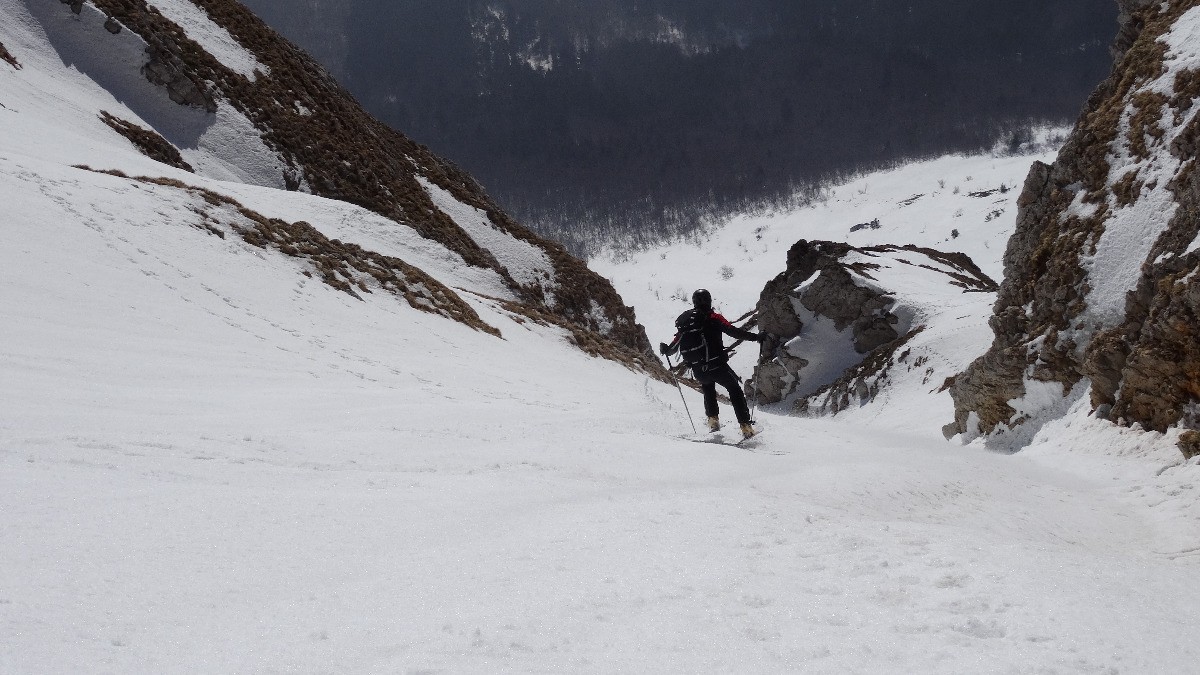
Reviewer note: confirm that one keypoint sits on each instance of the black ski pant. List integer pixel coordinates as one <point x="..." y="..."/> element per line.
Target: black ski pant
<point x="724" y="376"/>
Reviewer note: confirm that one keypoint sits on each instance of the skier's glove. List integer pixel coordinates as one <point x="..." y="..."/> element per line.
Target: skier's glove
<point x="760" y="337"/>
<point x="664" y="348"/>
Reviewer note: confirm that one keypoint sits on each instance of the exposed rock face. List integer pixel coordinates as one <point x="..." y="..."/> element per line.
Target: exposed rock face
<point x="336" y="150"/>
<point x="1102" y="275"/>
<point x="1130" y="25"/>
<point x="166" y="69"/>
<point x="837" y="316"/>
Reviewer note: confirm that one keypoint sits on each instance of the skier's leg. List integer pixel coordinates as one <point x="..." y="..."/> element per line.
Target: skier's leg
<point x="729" y="380"/>
<point x="709" y="389"/>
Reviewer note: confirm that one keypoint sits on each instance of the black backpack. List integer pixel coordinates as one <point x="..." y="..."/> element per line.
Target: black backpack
<point x="693" y="346"/>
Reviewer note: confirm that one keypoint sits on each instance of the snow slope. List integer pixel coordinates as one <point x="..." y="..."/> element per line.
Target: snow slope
<point x="210" y="465"/>
<point x="214" y="466"/>
<point x="923" y="203"/>
<point x="210" y="462"/>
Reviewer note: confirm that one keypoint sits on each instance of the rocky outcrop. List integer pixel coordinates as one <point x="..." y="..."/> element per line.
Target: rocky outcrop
<point x="1189" y="443"/>
<point x="837" y="318"/>
<point x="168" y="70"/>
<point x="335" y="149"/>
<point x="1102" y="275"/>
<point x="1129" y="24"/>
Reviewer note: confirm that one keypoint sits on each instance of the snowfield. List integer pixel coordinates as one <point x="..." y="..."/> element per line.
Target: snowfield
<point x="212" y="463"/>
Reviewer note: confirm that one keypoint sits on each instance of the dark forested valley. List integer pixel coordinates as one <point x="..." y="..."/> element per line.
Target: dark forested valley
<point x="598" y="119"/>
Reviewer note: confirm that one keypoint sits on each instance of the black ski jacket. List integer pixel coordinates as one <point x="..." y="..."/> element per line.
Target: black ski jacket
<point x="714" y="326"/>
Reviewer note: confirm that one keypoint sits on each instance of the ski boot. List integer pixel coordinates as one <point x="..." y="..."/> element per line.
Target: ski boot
<point x="714" y="424"/>
<point x="747" y="430"/>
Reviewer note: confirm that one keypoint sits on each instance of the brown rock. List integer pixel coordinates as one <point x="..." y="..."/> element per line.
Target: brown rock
<point x="1143" y="367"/>
<point x="1189" y="444"/>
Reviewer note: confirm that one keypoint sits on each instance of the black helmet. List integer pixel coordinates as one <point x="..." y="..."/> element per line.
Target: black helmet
<point x="702" y="299"/>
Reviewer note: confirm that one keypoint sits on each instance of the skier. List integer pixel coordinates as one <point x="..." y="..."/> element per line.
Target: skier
<point x="699" y="341"/>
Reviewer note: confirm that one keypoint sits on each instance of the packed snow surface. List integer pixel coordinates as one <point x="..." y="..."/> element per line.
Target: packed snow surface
<point x="211" y="462"/>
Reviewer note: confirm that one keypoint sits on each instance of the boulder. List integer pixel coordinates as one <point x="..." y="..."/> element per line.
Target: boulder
<point x="1189" y="444"/>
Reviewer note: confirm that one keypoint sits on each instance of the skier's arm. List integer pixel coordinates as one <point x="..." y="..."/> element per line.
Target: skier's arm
<point x="735" y="332"/>
<point x="669" y="349"/>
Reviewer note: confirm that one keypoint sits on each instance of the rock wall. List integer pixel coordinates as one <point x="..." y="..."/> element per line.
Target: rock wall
<point x="1102" y="275"/>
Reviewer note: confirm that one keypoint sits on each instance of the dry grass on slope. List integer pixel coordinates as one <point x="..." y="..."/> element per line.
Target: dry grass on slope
<point x="9" y="58"/>
<point x="347" y="267"/>
<point x="148" y="142"/>
<point x="316" y="126"/>
<point x="344" y="153"/>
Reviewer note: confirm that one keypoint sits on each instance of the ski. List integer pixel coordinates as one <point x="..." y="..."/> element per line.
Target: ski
<point x="733" y="438"/>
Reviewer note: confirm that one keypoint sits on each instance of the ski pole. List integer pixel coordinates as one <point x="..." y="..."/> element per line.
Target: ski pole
<point x="754" y="395"/>
<point x="681" y="398"/>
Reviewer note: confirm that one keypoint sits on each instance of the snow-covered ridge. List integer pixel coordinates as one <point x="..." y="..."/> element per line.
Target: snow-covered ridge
<point x="290" y="127"/>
